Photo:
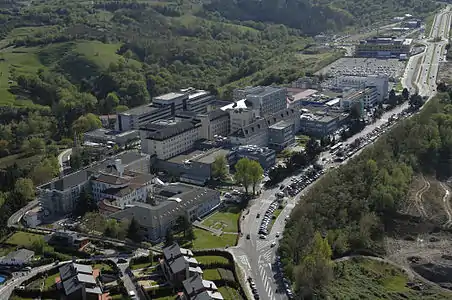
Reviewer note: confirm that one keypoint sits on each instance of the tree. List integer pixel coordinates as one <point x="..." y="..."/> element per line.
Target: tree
<point x="111" y="102"/>
<point x="316" y="270"/>
<point x="312" y="148"/>
<point x="405" y="94"/>
<point x="256" y="174"/>
<point x="355" y="111"/>
<point x="111" y="228"/>
<point x="182" y="224"/>
<point x="133" y="231"/>
<point x="392" y="99"/>
<point x="85" y="203"/>
<point x="416" y="101"/>
<point x="190" y="233"/>
<point x="25" y="189"/>
<point x="151" y="256"/>
<point x="220" y="167"/>
<point x="242" y="173"/>
<point x="86" y="123"/>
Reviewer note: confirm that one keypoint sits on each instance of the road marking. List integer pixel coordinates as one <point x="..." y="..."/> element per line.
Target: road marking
<point x="244" y="260"/>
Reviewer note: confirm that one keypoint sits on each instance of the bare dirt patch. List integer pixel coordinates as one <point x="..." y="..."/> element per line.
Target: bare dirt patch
<point x="420" y="237"/>
<point x="445" y="72"/>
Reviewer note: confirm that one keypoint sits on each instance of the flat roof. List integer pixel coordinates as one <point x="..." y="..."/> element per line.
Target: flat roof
<point x="141" y="110"/>
<point x="206" y="157"/>
<point x="169" y="96"/>
<point x="281" y="125"/>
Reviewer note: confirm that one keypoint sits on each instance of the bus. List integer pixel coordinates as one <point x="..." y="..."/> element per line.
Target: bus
<point x="335" y="147"/>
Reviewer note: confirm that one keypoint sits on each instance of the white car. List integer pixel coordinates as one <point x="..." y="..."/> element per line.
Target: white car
<point x="273" y="244"/>
<point x="278" y="234"/>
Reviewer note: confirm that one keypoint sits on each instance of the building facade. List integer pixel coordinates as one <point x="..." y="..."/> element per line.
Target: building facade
<point x="265" y="156"/>
<point x="169" y="139"/>
<point x="379" y="82"/>
<point x="281" y="135"/>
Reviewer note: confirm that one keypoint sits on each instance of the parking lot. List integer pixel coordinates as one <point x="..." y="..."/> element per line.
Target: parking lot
<point x="358" y="66"/>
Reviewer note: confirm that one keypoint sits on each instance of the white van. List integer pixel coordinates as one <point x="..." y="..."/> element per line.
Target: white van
<point x="132" y="295"/>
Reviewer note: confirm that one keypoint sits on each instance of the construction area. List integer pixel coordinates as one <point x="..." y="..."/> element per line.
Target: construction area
<point x="421" y="237"/>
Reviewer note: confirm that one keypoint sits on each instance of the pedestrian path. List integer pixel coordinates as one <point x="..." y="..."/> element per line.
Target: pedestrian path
<point x="201" y="226"/>
<point x="261" y="244"/>
<point x="267" y="256"/>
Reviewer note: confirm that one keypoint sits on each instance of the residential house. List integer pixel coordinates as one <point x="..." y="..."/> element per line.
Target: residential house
<point x="79" y="282"/>
<point x="196" y="288"/>
<point x="178" y="264"/>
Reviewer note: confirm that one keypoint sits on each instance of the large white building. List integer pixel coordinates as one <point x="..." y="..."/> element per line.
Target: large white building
<point x="166" y="139"/>
<point x="121" y="187"/>
<point x="163" y="107"/>
<point x="367" y="97"/>
<point x="60" y="196"/>
<point x="264" y="99"/>
<point x="380" y="82"/>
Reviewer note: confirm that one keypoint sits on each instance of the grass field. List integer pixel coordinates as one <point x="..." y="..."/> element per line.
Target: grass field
<point x="210" y="259"/>
<point x="226" y="219"/>
<point x="368" y="279"/>
<point x="211" y="274"/>
<point x="205" y="240"/>
<point x="229" y="293"/>
<point x="24" y="239"/>
<point x="102" y="266"/>
<point x="141" y="265"/>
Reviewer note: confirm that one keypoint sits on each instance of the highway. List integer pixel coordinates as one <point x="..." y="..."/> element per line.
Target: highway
<point x="256" y="256"/>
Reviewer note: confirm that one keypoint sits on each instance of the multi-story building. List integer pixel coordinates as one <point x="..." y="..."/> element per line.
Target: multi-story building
<point x="383" y="47"/>
<point x="365" y="98"/>
<point x="166" y="139"/>
<point x="164" y="107"/>
<point x="105" y="136"/>
<point x="213" y="124"/>
<point x="121" y="187"/>
<point x="320" y="124"/>
<point x="379" y="82"/>
<point x="281" y="135"/>
<point x="265" y="156"/>
<point x="167" y="204"/>
<point x="268" y="99"/>
<point x="257" y="133"/>
<point x="179" y="264"/>
<point x="60" y="196"/>
<point x="193" y="167"/>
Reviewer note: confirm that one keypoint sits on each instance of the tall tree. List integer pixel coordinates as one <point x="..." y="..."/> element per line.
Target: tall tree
<point x="242" y="173"/>
<point x="133" y="231"/>
<point x="405" y="94"/>
<point x="25" y="189"/>
<point x="392" y="98"/>
<point x="220" y="167"/>
<point x="312" y="148"/>
<point x="256" y="174"/>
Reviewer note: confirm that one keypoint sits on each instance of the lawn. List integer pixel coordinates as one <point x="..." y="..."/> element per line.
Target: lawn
<point x="368" y="279"/>
<point x="24" y="239"/>
<point x="206" y="240"/>
<point x="102" y="54"/>
<point x="302" y="140"/>
<point x="16" y="61"/>
<point x="50" y="281"/>
<point x="211" y="259"/>
<point x="230" y="293"/>
<point x="211" y="274"/>
<point x="102" y="266"/>
<point x="225" y="219"/>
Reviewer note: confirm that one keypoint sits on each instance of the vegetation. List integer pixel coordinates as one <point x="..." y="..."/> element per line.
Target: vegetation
<point x="220" y="167"/>
<point x="226" y="219"/>
<point x="368" y="279"/>
<point x="354" y="206"/>
<point x="248" y="172"/>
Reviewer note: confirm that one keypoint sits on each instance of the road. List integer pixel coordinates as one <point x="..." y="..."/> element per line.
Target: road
<point x="64" y="157"/>
<point x="256" y="256"/>
<point x="8" y="287"/>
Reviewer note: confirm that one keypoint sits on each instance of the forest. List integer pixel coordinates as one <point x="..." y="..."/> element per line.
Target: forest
<point x="351" y="208"/>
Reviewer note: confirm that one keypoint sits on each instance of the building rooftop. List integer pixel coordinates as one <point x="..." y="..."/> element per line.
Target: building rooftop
<point x="23" y="255"/>
<point x="169" y="97"/>
<point x="178" y="197"/>
<point x="160" y="132"/>
<point x="206" y="157"/>
<point x="261" y="91"/>
<point x="141" y="110"/>
<point x="281" y="125"/>
<point x="83" y="175"/>
<point x="72" y="269"/>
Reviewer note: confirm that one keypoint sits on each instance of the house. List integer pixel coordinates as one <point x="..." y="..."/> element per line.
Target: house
<point x="178" y="264"/>
<point x="17" y="258"/>
<point x="79" y="282"/>
<point x="67" y="239"/>
<point x="33" y="217"/>
<point x="196" y="288"/>
<point x="166" y="204"/>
